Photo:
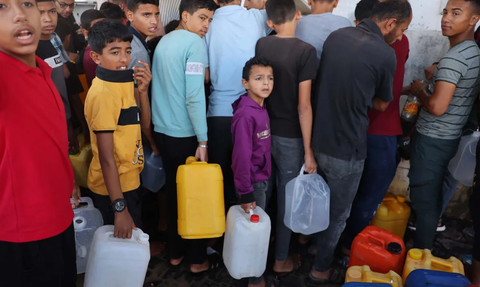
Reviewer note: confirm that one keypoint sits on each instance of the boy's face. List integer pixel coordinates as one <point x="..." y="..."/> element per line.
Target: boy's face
<point x="255" y="4"/>
<point x="145" y="19"/>
<point x="458" y="17"/>
<point x="19" y="37"/>
<point x="260" y="82"/>
<point x="199" y="22"/>
<point x="65" y="7"/>
<point x="115" y="56"/>
<point x="48" y="18"/>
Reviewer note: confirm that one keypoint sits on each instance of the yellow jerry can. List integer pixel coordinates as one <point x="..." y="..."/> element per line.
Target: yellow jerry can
<point x="365" y="275"/>
<point x="81" y="161"/>
<point x="201" y="209"/>
<point x="423" y="259"/>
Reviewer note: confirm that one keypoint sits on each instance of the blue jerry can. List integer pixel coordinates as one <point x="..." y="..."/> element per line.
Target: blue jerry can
<point x="360" y="284"/>
<point x="421" y="278"/>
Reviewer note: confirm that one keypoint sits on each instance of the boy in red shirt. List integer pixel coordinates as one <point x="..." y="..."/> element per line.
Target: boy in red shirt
<point x="37" y="243"/>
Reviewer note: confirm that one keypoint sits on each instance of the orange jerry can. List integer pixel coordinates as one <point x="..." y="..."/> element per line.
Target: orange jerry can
<point x="392" y="214"/>
<point x="423" y="259"/>
<point x="365" y="275"/>
<point x="380" y="249"/>
<point x="201" y="207"/>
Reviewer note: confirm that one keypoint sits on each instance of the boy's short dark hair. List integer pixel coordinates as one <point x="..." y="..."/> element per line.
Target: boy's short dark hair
<point x="388" y="9"/>
<point x="364" y="9"/>
<point x="112" y="11"/>
<point x="63" y="28"/>
<point x="171" y="26"/>
<point x="476" y="4"/>
<point x="255" y="61"/>
<point x="191" y="6"/>
<point x="280" y="11"/>
<point x="89" y="16"/>
<point x="105" y="32"/>
<point x="132" y="5"/>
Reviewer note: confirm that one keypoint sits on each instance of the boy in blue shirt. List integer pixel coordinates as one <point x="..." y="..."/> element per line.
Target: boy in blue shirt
<point x="179" y="114"/>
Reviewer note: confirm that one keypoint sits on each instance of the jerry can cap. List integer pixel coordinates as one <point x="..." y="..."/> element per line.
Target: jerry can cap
<point x="415" y="254"/>
<point x="394" y="248"/>
<point x="254" y="218"/>
<point x="354" y="274"/>
<point x="401" y="198"/>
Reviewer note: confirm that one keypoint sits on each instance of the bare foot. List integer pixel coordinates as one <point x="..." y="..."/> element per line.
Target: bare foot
<point x="197" y="268"/>
<point x="176" y="262"/>
<point x="321" y="275"/>
<point x="292" y="263"/>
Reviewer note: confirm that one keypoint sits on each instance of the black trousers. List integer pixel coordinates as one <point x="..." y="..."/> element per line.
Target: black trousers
<point x="474" y="206"/>
<point x="220" y="146"/>
<point x="134" y="205"/>
<point x="174" y="152"/>
<point x="44" y="263"/>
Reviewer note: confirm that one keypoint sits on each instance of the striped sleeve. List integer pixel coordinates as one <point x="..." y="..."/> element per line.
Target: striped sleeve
<point x="451" y="68"/>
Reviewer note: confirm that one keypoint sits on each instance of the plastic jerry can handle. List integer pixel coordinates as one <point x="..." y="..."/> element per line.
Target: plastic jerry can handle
<point x="193" y="160"/>
<point x="86" y="200"/>
<point x="377" y="241"/>
<point x="142" y="238"/>
<point x="440" y="265"/>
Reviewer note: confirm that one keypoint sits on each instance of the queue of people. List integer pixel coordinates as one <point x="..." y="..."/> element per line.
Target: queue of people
<point x="260" y="91"/>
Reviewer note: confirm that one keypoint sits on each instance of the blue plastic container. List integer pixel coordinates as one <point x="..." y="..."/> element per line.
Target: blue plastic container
<point x="421" y="278"/>
<point x="153" y="174"/>
<point x="359" y="284"/>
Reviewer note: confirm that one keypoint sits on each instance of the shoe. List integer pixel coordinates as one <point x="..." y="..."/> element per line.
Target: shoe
<point x="441" y="227"/>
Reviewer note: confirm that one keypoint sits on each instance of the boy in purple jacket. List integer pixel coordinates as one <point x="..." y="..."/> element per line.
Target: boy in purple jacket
<point x="251" y="160"/>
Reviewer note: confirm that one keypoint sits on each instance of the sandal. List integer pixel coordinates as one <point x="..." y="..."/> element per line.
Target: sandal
<point x="335" y="277"/>
<point x="214" y="262"/>
<point x="296" y="262"/>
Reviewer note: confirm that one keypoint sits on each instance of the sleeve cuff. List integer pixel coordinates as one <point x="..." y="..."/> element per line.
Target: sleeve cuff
<point x="202" y="137"/>
<point x="247" y="197"/>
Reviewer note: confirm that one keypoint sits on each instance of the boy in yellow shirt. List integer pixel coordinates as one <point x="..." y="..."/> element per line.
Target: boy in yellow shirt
<point x="114" y="121"/>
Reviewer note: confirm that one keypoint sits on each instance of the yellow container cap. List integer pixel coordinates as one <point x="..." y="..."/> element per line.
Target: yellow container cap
<point x="415" y="254"/>
<point x="354" y="274"/>
<point x="401" y="198"/>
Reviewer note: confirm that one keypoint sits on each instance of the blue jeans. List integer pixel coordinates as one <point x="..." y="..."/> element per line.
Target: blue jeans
<point x="378" y="173"/>
<point x="343" y="178"/>
<point x="289" y="155"/>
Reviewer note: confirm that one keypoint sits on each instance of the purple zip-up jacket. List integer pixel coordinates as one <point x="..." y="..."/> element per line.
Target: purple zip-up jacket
<point x="251" y="159"/>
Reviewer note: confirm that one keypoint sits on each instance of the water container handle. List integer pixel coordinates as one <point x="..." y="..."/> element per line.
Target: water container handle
<point x="302" y="170"/>
<point x="142" y="238"/>
<point x="86" y="200"/>
<point x="190" y="159"/>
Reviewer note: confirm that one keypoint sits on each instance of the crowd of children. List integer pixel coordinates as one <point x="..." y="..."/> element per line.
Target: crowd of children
<point x="319" y="93"/>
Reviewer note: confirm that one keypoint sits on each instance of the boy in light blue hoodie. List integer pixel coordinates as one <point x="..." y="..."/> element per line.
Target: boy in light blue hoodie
<point x="251" y="138"/>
